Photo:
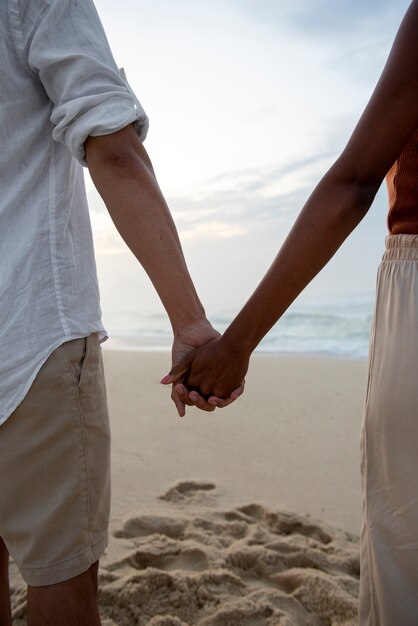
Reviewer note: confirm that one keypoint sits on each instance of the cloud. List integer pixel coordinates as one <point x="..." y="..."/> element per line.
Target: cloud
<point x="234" y="203"/>
<point x="212" y="230"/>
<point x="355" y="35"/>
<point x="327" y="17"/>
<point x="229" y="206"/>
<point x="324" y="17"/>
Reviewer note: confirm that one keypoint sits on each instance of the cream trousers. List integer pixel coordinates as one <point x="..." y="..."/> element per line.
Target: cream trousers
<point x="389" y="445"/>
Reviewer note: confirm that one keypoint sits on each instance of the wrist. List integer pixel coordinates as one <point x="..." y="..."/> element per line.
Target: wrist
<point x="193" y="325"/>
<point x="236" y="343"/>
<point x="186" y="314"/>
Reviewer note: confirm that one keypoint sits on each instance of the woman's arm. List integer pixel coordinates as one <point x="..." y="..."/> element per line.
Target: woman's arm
<point x="335" y="208"/>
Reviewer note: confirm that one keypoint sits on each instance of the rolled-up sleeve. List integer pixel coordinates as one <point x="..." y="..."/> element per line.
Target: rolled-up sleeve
<point x="69" y="51"/>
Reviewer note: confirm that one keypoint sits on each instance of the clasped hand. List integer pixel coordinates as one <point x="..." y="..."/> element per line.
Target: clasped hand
<point x="207" y="372"/>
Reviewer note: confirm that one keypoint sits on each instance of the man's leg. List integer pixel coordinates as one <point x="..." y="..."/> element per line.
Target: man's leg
<point x="5" y="608"/>
<point x="55" y="511"/>
<point x="70" y="603"/>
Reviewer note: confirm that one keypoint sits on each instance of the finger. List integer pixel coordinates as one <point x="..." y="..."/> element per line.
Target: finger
<point x="223" y="402"/>
<point x="178" y="371"/>
<point x="183" y="394"/>
<point x="238" y="392"/>
<point x="180" y="406"/>
<point x="219" y="403"/>
<point x="175" y="375"/>
<point x="192" y="398"/>
<point x="200" y="402"/>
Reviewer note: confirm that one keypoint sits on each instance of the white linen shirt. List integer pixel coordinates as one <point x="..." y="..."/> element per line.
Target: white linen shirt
<point x="58" y="84"/>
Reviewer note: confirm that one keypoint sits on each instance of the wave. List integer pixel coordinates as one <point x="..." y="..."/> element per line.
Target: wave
<point x="338" y="328"/>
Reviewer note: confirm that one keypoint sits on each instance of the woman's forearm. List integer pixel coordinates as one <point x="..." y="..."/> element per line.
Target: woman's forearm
<point x="332" y="212"/>
<point x="335" y="208"/>
<point x="344" y="195"/>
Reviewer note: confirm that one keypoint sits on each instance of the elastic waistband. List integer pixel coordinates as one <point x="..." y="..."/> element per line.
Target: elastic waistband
<point x="401" y="248"/>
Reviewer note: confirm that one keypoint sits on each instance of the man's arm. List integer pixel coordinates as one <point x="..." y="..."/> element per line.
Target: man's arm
<point x="94" y="109"/>
<point x="334" y="209"/>
<point x="122" y="173"/>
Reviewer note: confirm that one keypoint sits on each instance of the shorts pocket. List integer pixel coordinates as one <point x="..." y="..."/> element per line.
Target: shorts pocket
<point x="78" y="352"/>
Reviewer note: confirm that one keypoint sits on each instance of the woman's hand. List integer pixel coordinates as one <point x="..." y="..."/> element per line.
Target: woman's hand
<point x="185" y="341"/>
<point x="210" y="376"/>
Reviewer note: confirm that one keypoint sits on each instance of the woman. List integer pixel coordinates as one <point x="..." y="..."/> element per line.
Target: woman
<point x="384" y="140"/>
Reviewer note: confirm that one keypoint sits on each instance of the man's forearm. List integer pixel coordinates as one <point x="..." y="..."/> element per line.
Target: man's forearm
<point x="123" y="175"/>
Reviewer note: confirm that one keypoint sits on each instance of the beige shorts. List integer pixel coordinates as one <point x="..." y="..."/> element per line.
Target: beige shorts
<point x="389" y="446"/>
<point x="55" y="468"/>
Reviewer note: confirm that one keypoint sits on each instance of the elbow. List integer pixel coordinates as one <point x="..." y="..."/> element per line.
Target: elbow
<point x="119" y="160"/>
<point x="122" y="159"/>
<point x="366" y="187"/>
<point x="364" y="193"/>
<point x="359" y="185"/>
<point x="121" y="152"/>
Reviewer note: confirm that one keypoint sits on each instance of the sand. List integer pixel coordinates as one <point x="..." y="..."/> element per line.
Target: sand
<point x="248" y="516"/>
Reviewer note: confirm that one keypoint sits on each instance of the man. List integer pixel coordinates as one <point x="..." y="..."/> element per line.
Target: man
<point x="64" y="104"/>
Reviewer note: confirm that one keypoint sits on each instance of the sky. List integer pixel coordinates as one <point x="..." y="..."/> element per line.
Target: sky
<point x="249" y="101"/>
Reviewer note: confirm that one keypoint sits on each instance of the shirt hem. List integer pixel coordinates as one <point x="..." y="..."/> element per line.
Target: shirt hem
<point x="103" y="336"/>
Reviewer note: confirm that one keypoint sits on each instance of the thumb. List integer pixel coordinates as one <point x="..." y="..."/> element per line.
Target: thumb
<point x="178" y="372"/>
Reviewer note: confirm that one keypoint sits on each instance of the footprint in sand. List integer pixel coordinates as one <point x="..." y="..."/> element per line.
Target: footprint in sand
<point x="145" y="525"/>
<point x="190" y="492"/>
<point x="248" y="566"/>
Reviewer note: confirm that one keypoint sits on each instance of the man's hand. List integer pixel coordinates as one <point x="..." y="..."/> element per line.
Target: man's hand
<point x="210" y="376"/>
<point x="184" y="392"/>
<point x="185" y="341"/>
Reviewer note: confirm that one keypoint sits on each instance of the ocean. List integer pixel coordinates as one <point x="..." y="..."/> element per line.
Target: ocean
<point x="337" y="328"/>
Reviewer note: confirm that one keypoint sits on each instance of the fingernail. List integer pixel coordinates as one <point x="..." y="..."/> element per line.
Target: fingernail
<point x="212" y="402"/>
<point x="166" y="379"/>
